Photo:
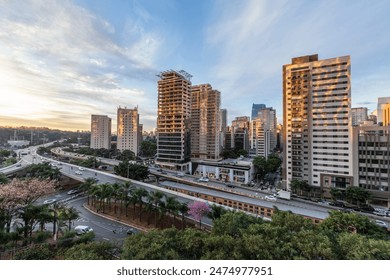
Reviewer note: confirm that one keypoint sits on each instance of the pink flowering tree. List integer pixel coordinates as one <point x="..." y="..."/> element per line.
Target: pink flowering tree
<point x="197" y="210"/>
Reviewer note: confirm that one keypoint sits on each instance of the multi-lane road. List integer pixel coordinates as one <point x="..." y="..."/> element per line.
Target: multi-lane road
<point x="299" y="207"/>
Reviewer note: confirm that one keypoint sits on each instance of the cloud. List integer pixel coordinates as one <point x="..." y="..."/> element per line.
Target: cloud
<point x="252" y="40"/>
<point x="58" y="54"/>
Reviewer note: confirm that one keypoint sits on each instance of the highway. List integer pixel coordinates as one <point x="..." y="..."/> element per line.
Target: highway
<point x="254" y="196"/>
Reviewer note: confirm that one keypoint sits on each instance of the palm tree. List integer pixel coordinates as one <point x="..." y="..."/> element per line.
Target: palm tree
<point x="155" y="198"/>
<point x="69" y="214"/>
<point x="44" y="217"/>
<point x="116" y="193"/>
<point x="56" y="209"/>
<point x="139" y="195"/>
<point x="125" y="192"/>
<point x="88" y="185"/>
<point x="172" y="205"/>
<point x="183" y="209"/>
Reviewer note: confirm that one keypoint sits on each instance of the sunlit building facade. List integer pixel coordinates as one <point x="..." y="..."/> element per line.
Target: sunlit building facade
<point x="205" y="123"/>
<point x="317" y="127"/>
<point x="128" y="130"/>
<point x="173" y="120"/>
<point x="100" y="132"/>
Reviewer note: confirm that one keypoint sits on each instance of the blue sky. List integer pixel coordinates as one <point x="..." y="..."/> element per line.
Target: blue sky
<point x="61" y="61"/>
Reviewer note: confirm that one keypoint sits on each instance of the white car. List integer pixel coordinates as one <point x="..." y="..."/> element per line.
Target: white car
<point x="82" y="229"/>
<point x="50" y="201"/>
<point x="202" y="179"/>
<point x="381" y="223"/>
<point x="81" y="168"/>
<point x="270" y="198"/>
<point x="78" y="172"/>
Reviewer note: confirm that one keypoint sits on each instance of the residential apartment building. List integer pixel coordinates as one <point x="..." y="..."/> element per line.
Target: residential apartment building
<point x="128" y="130"/>
<point x="359" y="115"/>
<point x="173" y="120"/>
<point x="372" y="160"/>
<point x="205" y="123"/>
<point x="317" y="128"/>
<point x="100" y="132"/>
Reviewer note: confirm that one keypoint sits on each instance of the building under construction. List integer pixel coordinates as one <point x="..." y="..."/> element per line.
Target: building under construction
<point x="173" y="120"/>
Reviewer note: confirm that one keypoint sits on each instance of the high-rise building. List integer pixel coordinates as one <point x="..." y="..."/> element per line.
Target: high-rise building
<point x="205" y="123"/>
<point x="382" y="102"/>
<point x="223" y="122"/>
<point x="317" y="128"/>
<point x="359" y="115"/>
<point x="264" y="133"/>
<point x="255" y="110"/>
<point x="100" y="132"/>
<point x="128" y="129"/>
<point x="240" y="128"/>
<point x="173" y="120"/>
<point x="371" y="146"/>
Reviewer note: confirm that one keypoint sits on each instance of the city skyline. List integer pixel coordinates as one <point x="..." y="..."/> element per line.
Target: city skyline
<point x="62" y="62"/>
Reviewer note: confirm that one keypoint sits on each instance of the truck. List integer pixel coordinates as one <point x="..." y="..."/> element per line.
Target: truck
<point x="284" y="194"/>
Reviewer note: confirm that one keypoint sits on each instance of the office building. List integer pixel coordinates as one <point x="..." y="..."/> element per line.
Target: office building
<point x="128" y="130"/>
<point x="317" y="127"/>
<point x="240" y="129"/>
<point x="372" y="160"/>
<point x="173" y="120"/>
<point x="100" y="132"/>
<point x="255" y="110"/>
<point x="223" y="122"/>
<point x="264" y="132"/>
<point x="205" y="123"/>
<point x="359" y="115"/>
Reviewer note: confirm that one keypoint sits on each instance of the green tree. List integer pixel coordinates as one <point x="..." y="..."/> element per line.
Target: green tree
<point x="340" y="222"/>
<point x="69" y="214"/>
<point x="3" y="179"/>
<point x="357" y="195"/>
<point x="132" y="171"/>
<point x="88" y="185"/>
<point x="126" y="155"/>
<point x="139" y="195"/>
<point x="10" y="161"/>
<point x="233" y="223"/>
<point x="155" y="245"/>
<point x="148" y="148"/>
<point x="260" y="166"/>
<point x="91" y="251"/>
<point x="36" y="252"/>
<point x="216" y="212"/>
<point x="155" y="198"/>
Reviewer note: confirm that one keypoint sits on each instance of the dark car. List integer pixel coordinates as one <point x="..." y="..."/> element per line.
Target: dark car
<point x="337" y="204"/>
<point x="367" y="208"/>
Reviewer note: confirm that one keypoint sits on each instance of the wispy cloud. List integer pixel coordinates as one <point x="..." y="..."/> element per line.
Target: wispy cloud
<point x="55" y="53"/>
<point x="253" y="39"/>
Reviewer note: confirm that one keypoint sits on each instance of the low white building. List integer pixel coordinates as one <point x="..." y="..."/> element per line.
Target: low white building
<point x="240" y="171"/>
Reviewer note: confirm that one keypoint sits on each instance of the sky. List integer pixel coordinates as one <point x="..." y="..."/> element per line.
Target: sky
<point x="61" y="61"/>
